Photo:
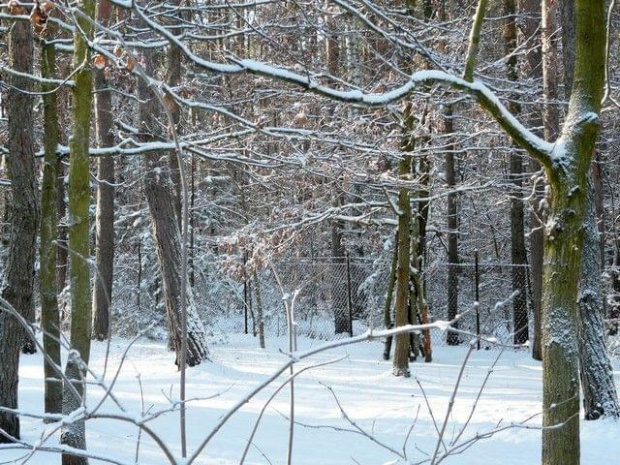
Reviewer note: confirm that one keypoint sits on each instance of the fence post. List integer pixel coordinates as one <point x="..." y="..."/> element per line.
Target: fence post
<point x="245" y="293"/>
<point x="477" y="304"/>
<point x="138" y="294"/>
<point x="349" y="298"/>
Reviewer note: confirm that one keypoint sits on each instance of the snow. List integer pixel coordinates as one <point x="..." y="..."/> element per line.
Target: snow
<point x="382" y="405"/>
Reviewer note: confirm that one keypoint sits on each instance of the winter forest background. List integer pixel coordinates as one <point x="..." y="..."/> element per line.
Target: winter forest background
<point x="227" y="224"/>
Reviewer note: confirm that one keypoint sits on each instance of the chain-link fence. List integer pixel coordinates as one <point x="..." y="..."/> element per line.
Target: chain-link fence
<point x="491" y="299"/>
<point x="333" y="297"/>
<point x="342" y="296"/>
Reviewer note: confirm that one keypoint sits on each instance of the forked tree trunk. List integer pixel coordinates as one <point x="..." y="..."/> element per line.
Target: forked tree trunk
<point x="18" y="284"/>
<point x="568" y="179"/>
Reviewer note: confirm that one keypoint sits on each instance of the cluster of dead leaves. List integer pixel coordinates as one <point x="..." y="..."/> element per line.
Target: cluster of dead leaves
<point x="38" y="16"/>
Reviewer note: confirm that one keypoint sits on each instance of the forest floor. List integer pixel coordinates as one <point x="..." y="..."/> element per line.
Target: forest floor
<point x="393" y="411"/>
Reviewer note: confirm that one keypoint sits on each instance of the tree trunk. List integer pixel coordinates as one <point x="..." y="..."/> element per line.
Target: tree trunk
<point x="104" y="254"/>
<point x="517" y="228"/>
<point x="158" y="189"/>
<point x="568" y="179"/>
<point x="173" y="65"/>
<point x="598" y="386"/>
<point x="18" y="284"/>
<point x="569" y="44"/>
<point x="61" y="208"/>
<point x="338" y="275"/>
<point x="339" y="292"/>
<point x="73" y="434"/>
<point x="453" y="226"/>
<point x="387" y="310"/>
<point x="551" y="117"/>
<point x="597" y="382"/>
<point x="50" y="317"/>
<point x="401" y="307"/>
<point x="259" y="311"/>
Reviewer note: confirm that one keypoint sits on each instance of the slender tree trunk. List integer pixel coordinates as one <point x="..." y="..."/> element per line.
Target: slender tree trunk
<point x="453" y="226"/>
<point x="173" y="66"/>
<point x="517" y="227"/>
<point x="74" y="434"/>
<point x="401" y="350"/>
<point x="18" y="285"/>
<point x="104" y="255"/>
<point x="387" y="310"/>
<point x="259" y="311"/>
<point x="550" y="56"/>
<point x="158" y="189"/>
<point x="332" y="55"/>
<point x="551" y="117"/>
<point x="530" y="10"/>
<point x="50" y="317"/>
<point x="63" y="245"/>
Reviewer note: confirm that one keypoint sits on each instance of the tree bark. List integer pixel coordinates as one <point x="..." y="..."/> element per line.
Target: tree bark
<point x="73" y="434"/>
<point x="50" y="317"/>
<point x="173" y="65"/>
<point x="517" y="228"/>
<point x="104" y="252"/>
<point x="596" y="371"/>
<point x="400" y="365"/>
<point x="597" y="381"/>
<point x="453" y="227"/>
<point x="18" y="285"/>
<point x="568" y="179"/>
<point x="531" y="10"/>
<point x="158" y="188"/>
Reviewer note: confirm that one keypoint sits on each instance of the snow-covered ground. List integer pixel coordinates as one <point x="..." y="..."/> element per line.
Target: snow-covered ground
<point x="393" y="411"/>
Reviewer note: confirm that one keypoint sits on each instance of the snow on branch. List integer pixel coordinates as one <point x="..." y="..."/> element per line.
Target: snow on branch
<point x="535" y="145"/>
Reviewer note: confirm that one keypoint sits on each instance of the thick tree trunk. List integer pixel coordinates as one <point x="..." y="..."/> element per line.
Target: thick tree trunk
<point x="73" y="434"/>
<point x="50" y="317"/>
<point x="158" y="189"/>
<point x="18" y="284"/>
<point x="560" y="320"/>
<point x="104" y="253"/>
<point x="597" y="381"/>
<point x="568" y="177"/>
